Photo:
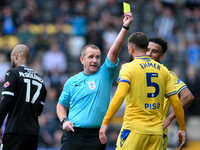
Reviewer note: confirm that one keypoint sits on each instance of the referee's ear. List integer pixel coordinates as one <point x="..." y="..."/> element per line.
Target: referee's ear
<point x="81" y="59"/>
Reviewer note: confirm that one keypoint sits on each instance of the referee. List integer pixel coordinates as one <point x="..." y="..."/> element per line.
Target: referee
<point x="23" y="98"/>
<point x="88" y="95"/>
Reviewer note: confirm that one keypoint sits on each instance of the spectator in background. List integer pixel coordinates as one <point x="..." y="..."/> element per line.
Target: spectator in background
<point x="49" y="122"/>
<point x="93" y="32"/>
<point x="79" y="19"/>
<point x="193" y="53"/>
<point x="27" y="37"/>
<point x="165" y="23"/>
<point x="193" y="82"/>
<point x="54" y="63"/>
<point x="9" y="26"/>
<point x="31" y="12"/>
<point x="44" y="38"/>
<point x="37" y="65"/>
<point x="61" y="36"/>
<point x="109" y="35"/>
<point x="54" y="60"/>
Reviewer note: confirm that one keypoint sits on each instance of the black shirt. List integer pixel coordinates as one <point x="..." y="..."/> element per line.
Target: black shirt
<point x="23" y="98"/>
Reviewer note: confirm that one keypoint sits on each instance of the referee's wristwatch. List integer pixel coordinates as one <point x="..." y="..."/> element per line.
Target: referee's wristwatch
<point x="63" y="120"/>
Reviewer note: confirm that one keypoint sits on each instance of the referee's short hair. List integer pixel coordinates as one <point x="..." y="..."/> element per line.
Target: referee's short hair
<point x="89" y="45"/>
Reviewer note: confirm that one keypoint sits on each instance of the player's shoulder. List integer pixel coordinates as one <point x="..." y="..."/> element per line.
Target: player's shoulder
<point x="173" y="74"/>
<point x="12" y="71"/>
<point x="164" y="67"/>
<point x="126" y="66"/>
<point x="23" y="68"/>
<point x="75" y="77"/>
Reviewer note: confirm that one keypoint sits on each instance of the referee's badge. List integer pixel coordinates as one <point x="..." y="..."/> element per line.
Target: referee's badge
<point x="92" y="85"/>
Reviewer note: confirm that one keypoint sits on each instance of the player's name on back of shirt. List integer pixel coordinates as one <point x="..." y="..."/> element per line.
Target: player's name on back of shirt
<point x="147" y="64"/>
<point x="30" y="75"/>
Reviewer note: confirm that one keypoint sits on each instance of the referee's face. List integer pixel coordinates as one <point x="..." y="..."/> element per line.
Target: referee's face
<point x="155" y="51"/>
<point x="91" y="60"/>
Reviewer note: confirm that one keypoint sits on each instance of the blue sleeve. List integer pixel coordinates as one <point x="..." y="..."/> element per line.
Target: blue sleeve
<point x="64" y="98"/>
<point x="109" y="68"/>
<point x="111" y="65"/>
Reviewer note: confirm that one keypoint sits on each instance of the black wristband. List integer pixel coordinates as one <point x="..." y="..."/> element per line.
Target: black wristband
<point x="125" y="27"/>
<point x="63" y="120"/>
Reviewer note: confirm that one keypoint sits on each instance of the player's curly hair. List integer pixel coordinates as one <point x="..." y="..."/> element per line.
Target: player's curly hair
<point x="159" y="41"/>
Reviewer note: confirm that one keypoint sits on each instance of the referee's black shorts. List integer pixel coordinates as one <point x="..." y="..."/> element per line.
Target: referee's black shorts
<point x="13" y="141"/>
<point x="82" y="139"/>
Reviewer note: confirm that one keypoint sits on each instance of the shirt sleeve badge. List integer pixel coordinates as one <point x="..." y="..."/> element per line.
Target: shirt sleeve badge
<point x="7" y="84"/>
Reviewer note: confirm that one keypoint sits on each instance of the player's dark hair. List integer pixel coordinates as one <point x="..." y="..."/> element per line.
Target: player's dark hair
<point x="139" y="39"/>
<point x="159" y="41"/>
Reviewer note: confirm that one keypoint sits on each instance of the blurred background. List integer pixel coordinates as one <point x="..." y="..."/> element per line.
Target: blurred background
<point x="56" y="30"/>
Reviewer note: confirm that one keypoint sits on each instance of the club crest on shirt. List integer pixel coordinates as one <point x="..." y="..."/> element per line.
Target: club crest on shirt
<point x="92" y="85"/>
<point x="6" y="84"/>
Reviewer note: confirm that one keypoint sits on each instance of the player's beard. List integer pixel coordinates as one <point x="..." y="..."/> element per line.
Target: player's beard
<point x="13" y="64"/>
<point x="130" y="58"/>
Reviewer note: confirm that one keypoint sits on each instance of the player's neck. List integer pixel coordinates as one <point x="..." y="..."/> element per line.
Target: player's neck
<point x="22" y="64"/>
<point x="138" y="54"/>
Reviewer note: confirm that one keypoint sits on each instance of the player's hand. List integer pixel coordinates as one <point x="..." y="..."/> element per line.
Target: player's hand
<point x="68" y="126"/>
<point x="128" y="18"/>
<point x="182" y="138"/>
<point x="102" y="134"/>
<point x="167" y="122"/>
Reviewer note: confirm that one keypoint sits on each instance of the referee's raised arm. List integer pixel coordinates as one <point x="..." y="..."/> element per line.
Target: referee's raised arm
<point x="115" y="48"/>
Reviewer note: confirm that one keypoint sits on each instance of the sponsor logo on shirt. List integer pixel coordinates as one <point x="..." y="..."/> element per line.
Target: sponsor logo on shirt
<point x="6" y="84"/>
<point x="92" y="85"/>
<point x="8" y="73"/>
<point x="178" y="81"/>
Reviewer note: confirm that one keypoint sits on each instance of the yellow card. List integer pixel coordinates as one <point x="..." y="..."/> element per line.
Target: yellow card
<point x="127" y="7"/>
